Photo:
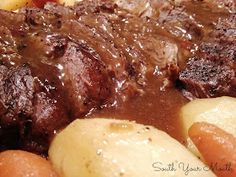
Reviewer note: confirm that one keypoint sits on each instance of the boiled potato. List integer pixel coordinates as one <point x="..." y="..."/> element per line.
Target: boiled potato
<point x="68" y="2"/>
<point x="16" y="4"/>
<point x="13" y="4"/>
<point x="217" y="111"/>
<point x="115" y="148"/>
<point x="24" y="164"/>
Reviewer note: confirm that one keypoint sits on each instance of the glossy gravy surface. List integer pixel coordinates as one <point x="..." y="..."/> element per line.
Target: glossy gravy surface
<point x="159" y="105"/>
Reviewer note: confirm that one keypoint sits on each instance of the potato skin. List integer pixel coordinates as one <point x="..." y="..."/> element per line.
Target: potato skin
<point x="21" y="164"/>
<point x="68" y="2"/>
<point x="115" y="148"/>
<point x="14" y="4"/>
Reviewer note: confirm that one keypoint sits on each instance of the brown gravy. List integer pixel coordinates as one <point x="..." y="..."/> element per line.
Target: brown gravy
<point x="161" y="107"/>
<point x="157" y="107"/>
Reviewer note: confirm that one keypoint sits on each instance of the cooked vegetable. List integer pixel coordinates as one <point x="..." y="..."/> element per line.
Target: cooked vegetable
<point x="13" y="4"/>
<point x="24" y="164"/>
<point x="68" y="2"/>
<point x="217" y="111"/>
<point x="217" y="147"/>
<point x="16" y="4"/>
<point x="114" y="148"/>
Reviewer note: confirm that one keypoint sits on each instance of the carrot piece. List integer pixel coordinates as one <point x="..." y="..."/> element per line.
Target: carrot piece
<point x="16" y="163"/>
<point x="217" y="147"/>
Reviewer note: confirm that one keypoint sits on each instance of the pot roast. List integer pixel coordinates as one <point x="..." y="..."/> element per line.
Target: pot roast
<point x="61" y="63"/>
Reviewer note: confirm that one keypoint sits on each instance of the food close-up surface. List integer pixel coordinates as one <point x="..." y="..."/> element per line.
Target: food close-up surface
<point x="117" y="88"/>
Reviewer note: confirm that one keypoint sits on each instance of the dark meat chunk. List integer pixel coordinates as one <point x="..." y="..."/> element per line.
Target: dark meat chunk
<point x="143" y="8"/>
<point x="225" y="29"/>
<point x="47" y="112"/>
<point x="83" y="75"/>
<point x="36" y="18"/>
<point x="208" y="78"/>
<point x="7" y="43"/>
<point x="229" y="5"/>
<point x="8" y="47"/>
<point x="16" y="102"/>
<point x="94" y="7"/>
<point x="124" y="43"/>
<point x="16" y="94"/>
<point x="213" y="5"/>
<point x="26" y="110"/>
<point x="172" y="16"/>
<point x="86" y="80"/>
<point x="180" y="23"/>
<point x="211" y="73"/>
<point x="13" y="21"/>
<point x="48" y="117"/>
<point x="222" y="50"/>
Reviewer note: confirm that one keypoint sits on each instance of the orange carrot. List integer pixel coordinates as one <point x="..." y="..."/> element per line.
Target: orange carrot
<point x="217" y="147"/>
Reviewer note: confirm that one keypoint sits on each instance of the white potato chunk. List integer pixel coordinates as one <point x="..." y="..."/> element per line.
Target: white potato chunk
<point x="115" y="148"/>
<point x="13" y="4"/>
<point x="68" y="2"/>
<point x="217" y="111"/>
